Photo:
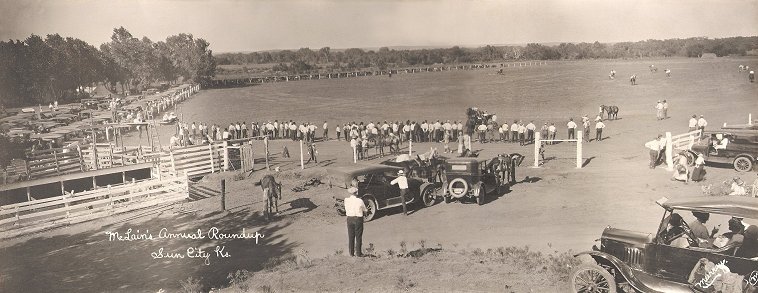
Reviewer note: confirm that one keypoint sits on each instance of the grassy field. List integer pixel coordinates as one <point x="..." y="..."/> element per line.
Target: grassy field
<point x="554" y="209"/>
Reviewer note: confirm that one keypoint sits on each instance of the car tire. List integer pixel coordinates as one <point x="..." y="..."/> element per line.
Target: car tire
<point x="743" y="164"/>
<point x="371" y="209"/>
<point x="453" y="182"/>
<point x="427" y="195"/>
<point x="690" y="158"/>
<point x="590" y="277"/>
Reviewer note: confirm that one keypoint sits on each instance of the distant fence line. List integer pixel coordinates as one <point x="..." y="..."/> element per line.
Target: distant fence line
<point x="234" y="81"/>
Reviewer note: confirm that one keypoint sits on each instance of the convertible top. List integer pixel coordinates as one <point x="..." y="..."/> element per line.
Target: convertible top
<point x="738" y="206"/>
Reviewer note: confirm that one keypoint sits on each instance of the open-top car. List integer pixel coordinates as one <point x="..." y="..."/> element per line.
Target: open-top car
<point x="373" y="183"/>
<point x="472" y="178"/>
<point x="427" y="170"/>
<point x="738" y="147"/>
<point x="672" y="258"/>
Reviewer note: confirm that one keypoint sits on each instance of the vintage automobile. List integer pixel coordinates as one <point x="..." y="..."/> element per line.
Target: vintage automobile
<point x="429" y="172"/>
<point x="738" y="147"/>
<point x="470" y="178"/>
<point x="646" y="262"/>
<point x="373" y="183"/>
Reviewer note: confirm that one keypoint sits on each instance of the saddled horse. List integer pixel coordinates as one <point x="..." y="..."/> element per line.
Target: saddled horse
<point x="611" y="111"/>
<point x="272" y="191"/>
<point x="506" y="169"/>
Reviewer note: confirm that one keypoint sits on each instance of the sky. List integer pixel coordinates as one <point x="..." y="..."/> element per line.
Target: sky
<point x="256" y="25"/>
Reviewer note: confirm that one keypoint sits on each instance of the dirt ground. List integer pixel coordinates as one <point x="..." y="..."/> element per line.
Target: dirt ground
<point x="558" y="209"/>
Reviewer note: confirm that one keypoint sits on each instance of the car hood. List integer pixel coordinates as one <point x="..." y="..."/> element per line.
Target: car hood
<point x="633" y="238"/>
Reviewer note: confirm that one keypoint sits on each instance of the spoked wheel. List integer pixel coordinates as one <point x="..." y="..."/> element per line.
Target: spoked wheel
<point x="592" y="278"/>
<point x="428" y="197"/>
<point x="371" y="209"/>
<point x="743" y="164"/>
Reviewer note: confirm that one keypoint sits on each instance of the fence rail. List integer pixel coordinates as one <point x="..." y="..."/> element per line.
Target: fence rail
<point x="75" y="207"/>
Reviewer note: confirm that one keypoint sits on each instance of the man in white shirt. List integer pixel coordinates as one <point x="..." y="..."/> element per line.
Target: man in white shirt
<point x="701" y="124"/>
<point x="354" y="210"/>
<point x="326" y="131"/>
<point x="571" y="129"/>
<point x="659" y="110"/>
<point x="522" y="133"/>
<point x="551" y="131"/>
<point x="655" y="150"/>
<point x="693" y="123"/>
<point x="514" y="131"/>
<point x="401" y="182"/>
<point x="599" y="130"/>
<point x="482" y="130"/>
<point x="530" y="131"/>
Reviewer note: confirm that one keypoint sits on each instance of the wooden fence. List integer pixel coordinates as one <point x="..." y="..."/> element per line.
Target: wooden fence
<point x="240" y="80"/>
<point x="77" y="207"/>
<point x="54" y="162"/>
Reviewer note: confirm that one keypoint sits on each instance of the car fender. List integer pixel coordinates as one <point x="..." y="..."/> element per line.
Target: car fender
<point x="626" y="272"/>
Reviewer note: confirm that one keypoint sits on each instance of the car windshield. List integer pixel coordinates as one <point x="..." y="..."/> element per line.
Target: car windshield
<point x="722" y="233"/>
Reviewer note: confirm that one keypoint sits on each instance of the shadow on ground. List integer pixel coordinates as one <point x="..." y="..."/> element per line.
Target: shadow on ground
<point x="89" y="262"/>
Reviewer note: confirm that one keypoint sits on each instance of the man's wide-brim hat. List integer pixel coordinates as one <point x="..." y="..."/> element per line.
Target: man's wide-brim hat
<point x="352" y="190"/>
<point x="401" y="173"/>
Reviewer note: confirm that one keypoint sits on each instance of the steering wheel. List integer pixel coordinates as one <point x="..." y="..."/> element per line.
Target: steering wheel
<point x="692" y="240"/>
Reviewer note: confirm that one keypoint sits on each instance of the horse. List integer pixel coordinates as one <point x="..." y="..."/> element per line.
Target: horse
<point x="272" y="191"/>
<point x="512" y="161"/>
<point x="633" y="79"/>
<point x="612" y="111"/>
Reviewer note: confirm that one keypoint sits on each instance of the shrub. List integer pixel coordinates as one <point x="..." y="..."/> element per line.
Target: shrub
<point x="191" y="285"/>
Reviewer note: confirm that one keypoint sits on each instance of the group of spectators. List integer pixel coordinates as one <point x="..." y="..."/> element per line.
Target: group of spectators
<point x="201" y="133"/>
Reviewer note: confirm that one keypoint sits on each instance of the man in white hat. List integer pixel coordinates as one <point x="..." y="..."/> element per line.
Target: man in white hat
<point x="354" y="210"/>
<point x="401" y="182"/>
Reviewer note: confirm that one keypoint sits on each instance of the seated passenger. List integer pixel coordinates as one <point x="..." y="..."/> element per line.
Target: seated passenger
<point x="733" y="237"/>
<point x="698" y="226"/>
<point x="722" y="144"/>
<point x="675" y="234"/>
<point x="749" y="248"/>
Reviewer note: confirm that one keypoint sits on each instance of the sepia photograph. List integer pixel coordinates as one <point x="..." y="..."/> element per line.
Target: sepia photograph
<point x="199" y="146"/>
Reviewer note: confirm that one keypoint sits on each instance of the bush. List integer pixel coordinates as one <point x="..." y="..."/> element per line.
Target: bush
<point x="191" y="285"/>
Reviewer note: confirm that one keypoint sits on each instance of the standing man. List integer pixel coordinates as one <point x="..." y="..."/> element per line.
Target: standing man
<point x="543" y="132"/>
<point x="655" y="149"/>
<point x="522" y="133"/>
<point x="693" y="123"/>
<point x="338" y="132"/>
<point x="599" y="130"/>
<point x="514" y="131"/>
<point x="312" y="152"/>
<point x="551" y="131"/>
<point x="530" y="131"/>
<point x="659" y="110"/>
<point x="665" y="109"/>
<point x="701" y="124"/>
<point x="326" y="131"/>
<point x="571" y="129"/>
<point x="586" y="125"/>
<point x="401" y="182"/>
<point x="354" y="210"/>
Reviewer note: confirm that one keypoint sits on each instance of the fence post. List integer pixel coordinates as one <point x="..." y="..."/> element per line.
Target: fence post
<point x="265" y="144"/>
<point x="669" y="153"/>
<point x="579" y="149"/>
<point x="410" y="147"/>
<point x="210" y="154"/>
<point x="226" y="156"/>
<point x="355" y="155"/>
<point x="537" y="147"/>
<point x="302" y="165"/>
<point x="750" y="119"/>
<point x="223" y="194"/>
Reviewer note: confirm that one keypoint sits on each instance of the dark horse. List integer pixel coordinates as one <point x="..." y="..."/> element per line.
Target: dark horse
<point x="506" y="169"/>
<point x="612" y="111"/>
<point x="272" y="191"/>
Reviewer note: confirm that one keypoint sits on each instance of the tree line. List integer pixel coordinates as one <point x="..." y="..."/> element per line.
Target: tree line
<point x="42" y="70"/>
<point x="306" y="60"/>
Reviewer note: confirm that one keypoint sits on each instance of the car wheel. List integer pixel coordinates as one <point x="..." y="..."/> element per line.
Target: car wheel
<point x="690" y="158"/>
<point x="371" y="209"/>
<point x="743" y="164"/>
<point x="589" y="277"/>
<point x="427" y="196"/>
<point x="482" y="193"/>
